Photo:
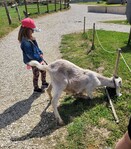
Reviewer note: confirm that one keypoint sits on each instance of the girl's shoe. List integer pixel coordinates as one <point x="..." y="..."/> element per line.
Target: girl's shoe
<point x="39" y="90"/>
<point x="45" y="85"/>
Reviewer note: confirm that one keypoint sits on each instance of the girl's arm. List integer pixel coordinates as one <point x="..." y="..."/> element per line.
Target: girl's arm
<point x="35" y="42"/>
<point x="28" y="50"/>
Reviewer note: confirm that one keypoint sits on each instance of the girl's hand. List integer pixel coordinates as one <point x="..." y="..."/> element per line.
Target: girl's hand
<point x="42" y="63"/>
<point x="41" y="55"/>
<point x="28" y="67"/>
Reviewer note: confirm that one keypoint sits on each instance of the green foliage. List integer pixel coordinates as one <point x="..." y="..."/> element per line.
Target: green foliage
<point x="5" y="28"/>
<point x="100" y="3"/>
<point x="124" y="22"/>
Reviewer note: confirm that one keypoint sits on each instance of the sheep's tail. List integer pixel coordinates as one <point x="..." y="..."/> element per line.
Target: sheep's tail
<point x="38" y="65"/>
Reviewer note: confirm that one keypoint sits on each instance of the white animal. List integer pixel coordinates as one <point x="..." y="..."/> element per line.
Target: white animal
<point x="66" y="76"/>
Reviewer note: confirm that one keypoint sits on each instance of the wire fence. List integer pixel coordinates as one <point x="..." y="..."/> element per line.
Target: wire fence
<point x="102" y="45"/>
<point x="125" y="63"/>
<point x="112" y="52"/>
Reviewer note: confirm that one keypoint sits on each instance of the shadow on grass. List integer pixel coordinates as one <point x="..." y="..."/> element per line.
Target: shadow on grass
<point x="126" y="49"/>
<point x="78" y="106"/>
<point x="70" y="109"/>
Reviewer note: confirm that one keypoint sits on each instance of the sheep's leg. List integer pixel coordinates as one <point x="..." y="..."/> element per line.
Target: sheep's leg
<point x="92" y="85"/>
<point x="89" y="91"/>
<point x="54" y="102"/>
<point x="50" y="96"/>
<point x="90" y="95"/>
<point x="58" y="87"/>
<point x="49" y="91"/>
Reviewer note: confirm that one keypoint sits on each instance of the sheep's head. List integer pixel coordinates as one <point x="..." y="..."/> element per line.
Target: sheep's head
<point x="118" y="85"/>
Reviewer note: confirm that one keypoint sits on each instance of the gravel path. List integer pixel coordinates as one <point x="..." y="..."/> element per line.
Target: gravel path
<point x="21" y="113"/>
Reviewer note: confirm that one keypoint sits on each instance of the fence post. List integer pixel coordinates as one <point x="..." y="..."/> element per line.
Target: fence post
<point x="64" y="4"/>
<point x="7" y="12"/>
<point x="93" y="38"/>
<point x="47" y="6"/>
<point x="84" y="25"/>
<point x="55" y="5"/>
<point x="116" y="64"/>
<point x="17" y="10"/>
<point x="60" y="5"/>
<point x="112" y="107"/>
<point x="26" y="11"/>
<point x="68" y="4"/>
<point x="38" y="6"/>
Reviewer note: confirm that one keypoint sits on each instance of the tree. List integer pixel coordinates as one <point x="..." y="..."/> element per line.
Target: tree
<point x="128" y="11"/>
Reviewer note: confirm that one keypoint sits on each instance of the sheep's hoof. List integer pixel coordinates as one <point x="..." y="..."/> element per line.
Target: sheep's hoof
<point x="60" y="123"/>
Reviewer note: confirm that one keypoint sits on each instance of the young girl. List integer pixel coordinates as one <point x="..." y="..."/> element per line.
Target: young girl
<point x="31" y="51"/>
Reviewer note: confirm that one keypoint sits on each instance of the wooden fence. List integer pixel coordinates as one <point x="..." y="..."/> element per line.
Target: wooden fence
<point x="35" y="8"/>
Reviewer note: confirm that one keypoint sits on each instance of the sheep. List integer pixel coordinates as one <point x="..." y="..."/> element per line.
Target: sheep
<point x="66" y="76"/>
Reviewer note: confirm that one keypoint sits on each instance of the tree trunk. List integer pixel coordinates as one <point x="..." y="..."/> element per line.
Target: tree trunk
<point x="128" y="11"/>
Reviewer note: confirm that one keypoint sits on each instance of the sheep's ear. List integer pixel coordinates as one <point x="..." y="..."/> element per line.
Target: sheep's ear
<point x="118" y="82"/>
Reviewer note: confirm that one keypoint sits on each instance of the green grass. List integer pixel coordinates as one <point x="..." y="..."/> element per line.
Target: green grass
<point x="101" y="3"/>
<point x="5" y="28"/>
<point x="90" y="123"/>
<point x="122" y="22"/>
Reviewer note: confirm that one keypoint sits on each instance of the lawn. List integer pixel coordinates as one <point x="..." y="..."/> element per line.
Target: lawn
<point x="90" y="123"/>
<point x="5" y="28"/>
<point x="122" y="22"/>
<point x="100" y="3"/>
